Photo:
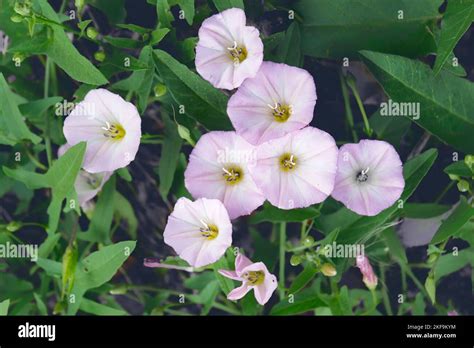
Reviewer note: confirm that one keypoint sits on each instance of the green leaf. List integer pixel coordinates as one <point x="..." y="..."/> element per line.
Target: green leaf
<point x="424" y="210"/>
<point x="302" y="303"/>
<point x="12" y="127"/>
<point x="60" y="178"/>
<point x="99" y="228"/>
<point x="188" y="8"/>
<point x="4" y="307"/>
<point x="389" y="128"/>
<point x="458" y="168"/>
<point x="97" y="269"/>
<point x="457" y="20"/>
<point x="336" y="29"/>
<point x="96" y="308"/>
<point x="355" y="227"/>
<point x="222" y="5"/>
<point x="452" y="225"/>
<point x="225" y="283"/>
<point x="273" y="214"/>
<point x="69" y="268"/>
<point x="394" y="245"/>
<point x="123" y="42"/>
<point x="40" y="304"/>
<point x="140" y="82"/>
<point x="115" y="13"/>
<point x="196" y="97"/>
<point x="66" y="56"/>
<point x="165" y="17"/>
<point x="157" y="35"/>
<point x="303" y="278"/>
<point x="446" y="103"/>
<point x="430" y="286"/>
<point x="289" y="50"/>
<point x="124" y="210"/>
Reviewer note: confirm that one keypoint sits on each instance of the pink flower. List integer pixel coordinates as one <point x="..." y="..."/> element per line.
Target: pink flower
<point x="111" y="127"/>
<point x="369" y="177"/>
<point x="368" y="276"/>
<point x="228" y="51"/>
<point x="297" y="170"/>
<point x="253" y="276"/>
<point x="219" y="168"/>
<point x="278" y="100"/>
<point x="200" y="231"/>
<point x="87" y="185"/>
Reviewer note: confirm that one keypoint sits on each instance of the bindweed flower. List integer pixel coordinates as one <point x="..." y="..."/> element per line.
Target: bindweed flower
<point x="297" y="170"/>
<point x="368" y="276"/>
<point x="228" y="51"/>
<point x="199" y="231"/>
<point x="278" y="100"/>
<point x="110" y="126"/>
<point x="253" y="276"/>
<point x="369" y="176"/>
<point x="219" y="167"/>
<point x="87" y="185"/>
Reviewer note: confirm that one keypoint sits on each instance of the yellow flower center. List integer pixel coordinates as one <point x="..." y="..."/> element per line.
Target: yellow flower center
<point x="287" y="162"/>
<point x="281" y="112"/>
<point x="254" y="277"/>
<point x="209" y="231"/>
<point x="237" y="53"/>
<point x="232" y="175"/>
<point x="114" y="131"/>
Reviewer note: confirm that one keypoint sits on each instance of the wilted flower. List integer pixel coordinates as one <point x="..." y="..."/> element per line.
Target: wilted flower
<point x="228" y="51"/>
<point x="297" y="170"/>
<point x="278" y="100"/>
<point x="3" y="42"/>
<point x="368" y="276"/>
<point x="87" y="185"/>
<point x="369" y="176"/>
<point x="253" y="276"/>
<point x="199" y="231"/>
<point x="110" y="126"/>
<point x="219" y="168"/>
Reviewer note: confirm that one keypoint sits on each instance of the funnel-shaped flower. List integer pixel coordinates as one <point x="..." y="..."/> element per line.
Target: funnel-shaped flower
<point x="87" y="185"/>
<point x="369" y="176"/>
<point x="253" y="276"/>
<point x="278" y="100"/>
<point x="297" y="170"/>
<point x="110" y="126"/>
<point x="219" y="167"/>
<point x="368" y="276"/>
<point x="228" y="51"/>
<point x="200" y="231"/>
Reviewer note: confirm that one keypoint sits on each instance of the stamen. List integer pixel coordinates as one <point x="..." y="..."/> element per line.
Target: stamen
<point x="209" y="231"/>
<point x="280" y="112"/>
<point x="232" y="175"/>
<point x="287" y="162"/>
<point x="254" y="277"/>
<point x="362" y="176"/>
<point x="113" y="131"/>
<point x="237" y="53"/>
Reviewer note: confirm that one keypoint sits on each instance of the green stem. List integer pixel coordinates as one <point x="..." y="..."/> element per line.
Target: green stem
<point x="347" y="107"/>
<point x="47" y="139"/>
<point x="443" y="193"/>
<point x="282" y="259"/>
<point x="367" y="128"/>
<point x="386" y="300"/>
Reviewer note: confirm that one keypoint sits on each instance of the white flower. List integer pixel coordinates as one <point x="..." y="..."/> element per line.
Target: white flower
<point x="111" y="127"/>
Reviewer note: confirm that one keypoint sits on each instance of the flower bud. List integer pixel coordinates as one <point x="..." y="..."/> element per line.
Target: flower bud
<point x="13" y="226"/>
<point x="328" y="270"/>
<point x="16" y="18"/>
<point x="469" y="160"/>
<point x="159" y="90"/>
<point x="308" y="241"/>
<point x="23" y="8"/>
<point x="463" y="186"/>
<point x="91" y="33"/>
<point x="295" y="260"/>
<point x="368" y="276"/>
<point x="99" y="56"/>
